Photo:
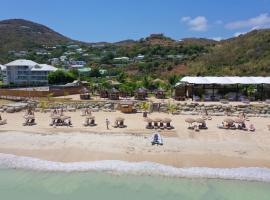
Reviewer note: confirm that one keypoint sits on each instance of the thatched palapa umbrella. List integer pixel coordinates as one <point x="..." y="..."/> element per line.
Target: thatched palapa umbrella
<point x="200" y="120"/>
<point x="157" y="119"/>
<point x="119" y="119"/>
<point x="228" y="120"/>
<point x="148" y="120"/>
<point x="190" y="120"/>
<point x="167" y="120"/>
<point x="239" y="120"/>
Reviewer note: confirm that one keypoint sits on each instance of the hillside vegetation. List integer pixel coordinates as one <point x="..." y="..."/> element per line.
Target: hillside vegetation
<point x="247" y="54"/>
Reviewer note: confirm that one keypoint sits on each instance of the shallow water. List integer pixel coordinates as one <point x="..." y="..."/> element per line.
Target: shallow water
<point x="28" y="185"/>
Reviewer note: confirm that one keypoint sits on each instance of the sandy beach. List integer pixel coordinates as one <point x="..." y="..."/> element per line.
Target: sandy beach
<point x="182" y="147"/>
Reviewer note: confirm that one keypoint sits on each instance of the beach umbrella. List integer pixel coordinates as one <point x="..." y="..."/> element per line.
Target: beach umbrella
<point x="228" y="120"/>
<point x="119" y="119"/>
<point x="157" y="119"/>
<point x="55" y="116"/>
<point x="90" y="117"/>
<point x="29" y="117"/>
<point x="166" y="120"/>
<point x="148" y="120"/>
<point x="200" y="120"/>
<point x="190" y="120"/>
<point x="239" y="120"/>
<point x="64" y="117"/>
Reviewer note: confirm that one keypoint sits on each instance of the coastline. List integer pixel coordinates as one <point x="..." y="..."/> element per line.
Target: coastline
<point x="213" y="149"/>
<point x="118" y="167"/>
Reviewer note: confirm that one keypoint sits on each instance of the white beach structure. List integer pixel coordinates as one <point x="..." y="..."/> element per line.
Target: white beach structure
<point x="27" y="72"/>
<point x="210" y="83"/>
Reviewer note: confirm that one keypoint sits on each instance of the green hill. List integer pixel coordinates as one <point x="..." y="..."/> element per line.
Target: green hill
<point x="247" y="54"/>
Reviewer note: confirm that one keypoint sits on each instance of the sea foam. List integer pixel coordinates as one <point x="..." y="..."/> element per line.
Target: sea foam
<point x="137" y="168"/>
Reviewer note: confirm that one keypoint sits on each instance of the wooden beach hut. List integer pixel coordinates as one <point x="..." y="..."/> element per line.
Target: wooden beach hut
<point x="141" y="94"/>
<point x="160" y="93"/>
<point x="114" y="94"/>
<point x="126" y="107"/>
<point x="84" y="94"/>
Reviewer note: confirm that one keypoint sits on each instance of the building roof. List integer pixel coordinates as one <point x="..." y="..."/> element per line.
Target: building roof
<point x="2" y="67"/>
<point x="226" y="80"/>
<point x="33" y="65"/>
<point x="44" y="67"/>
<point x="22" y="62"/>
<point x="84" y="70"/>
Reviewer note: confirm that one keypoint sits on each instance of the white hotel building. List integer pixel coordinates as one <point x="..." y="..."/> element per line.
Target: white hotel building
<point x="27" y="72"/>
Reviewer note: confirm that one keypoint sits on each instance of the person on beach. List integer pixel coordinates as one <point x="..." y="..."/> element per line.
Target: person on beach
<point x="107" y="123"/>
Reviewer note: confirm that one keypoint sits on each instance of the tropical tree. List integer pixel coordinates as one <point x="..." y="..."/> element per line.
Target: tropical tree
<point x="172" y="80"/>
<point x="145" y="106"/>
<point x="171" y="108"/>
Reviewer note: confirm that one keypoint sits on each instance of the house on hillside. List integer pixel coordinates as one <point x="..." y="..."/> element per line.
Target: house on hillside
<point x="27" y="72"/>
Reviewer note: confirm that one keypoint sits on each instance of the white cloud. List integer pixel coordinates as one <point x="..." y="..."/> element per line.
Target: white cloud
<point x="185" y="19"/>
<point x="197" y="23"/>
<point x="261" y="21"/>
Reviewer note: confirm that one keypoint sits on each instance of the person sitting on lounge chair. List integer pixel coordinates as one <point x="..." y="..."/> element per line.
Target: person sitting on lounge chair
<point x="203" y="126"/>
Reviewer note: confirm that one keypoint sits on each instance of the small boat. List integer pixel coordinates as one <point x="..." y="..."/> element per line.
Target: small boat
<point x="156" y="139"/>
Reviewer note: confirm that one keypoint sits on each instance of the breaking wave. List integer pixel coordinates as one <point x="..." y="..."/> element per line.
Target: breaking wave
<point x="135" y="168"/>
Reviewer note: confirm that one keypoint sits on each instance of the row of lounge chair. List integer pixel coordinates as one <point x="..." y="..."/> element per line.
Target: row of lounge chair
<point x="159" y="124"/>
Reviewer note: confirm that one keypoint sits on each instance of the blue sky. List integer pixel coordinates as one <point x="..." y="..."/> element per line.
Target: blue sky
<point x="115" y="20"/>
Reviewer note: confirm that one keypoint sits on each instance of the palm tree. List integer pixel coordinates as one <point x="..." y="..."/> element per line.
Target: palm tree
<point x="172" y="80"/>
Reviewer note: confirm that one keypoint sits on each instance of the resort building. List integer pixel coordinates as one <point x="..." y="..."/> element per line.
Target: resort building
<point x="232" y="88"/>
<point x="27" y="72"/>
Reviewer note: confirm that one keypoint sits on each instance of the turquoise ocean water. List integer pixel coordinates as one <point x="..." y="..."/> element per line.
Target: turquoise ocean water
<point x="40" y="185"/>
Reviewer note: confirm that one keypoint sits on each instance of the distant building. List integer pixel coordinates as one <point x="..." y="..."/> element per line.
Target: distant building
<point x="75" y="64"/>
<point x="139" y="57"/>
<point x="27" y="72"/>
<point x="73" y="46"/>
<point x="20" y="54"/>
<point x="121" y="59"/>
<point x="157" y="35"/>
<point x="54" y="61"/>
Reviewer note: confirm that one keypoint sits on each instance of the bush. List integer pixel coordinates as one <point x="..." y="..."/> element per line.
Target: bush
<point x="60" y="77"/>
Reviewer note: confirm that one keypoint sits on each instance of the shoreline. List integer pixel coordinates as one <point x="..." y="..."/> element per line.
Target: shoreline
<point x="183" y="148"/>
<point x="8" y="161"/>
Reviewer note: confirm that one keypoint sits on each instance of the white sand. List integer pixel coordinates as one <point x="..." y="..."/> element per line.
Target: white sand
<point x="182" y="147"/>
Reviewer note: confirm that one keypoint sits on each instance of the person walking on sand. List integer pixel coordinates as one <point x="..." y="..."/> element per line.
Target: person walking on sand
<point x="107" y="123"/>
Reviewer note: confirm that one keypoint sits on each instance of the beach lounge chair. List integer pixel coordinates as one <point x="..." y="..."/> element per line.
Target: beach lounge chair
<point x="3" y="122"/>
<point x="161" y="125"/>
<point x="29" y="122"/>
<point x="121" y="124"/>
<point x="168" y="126"/>
<point x="92" y="122"/>
<point x="149" y="125"/>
